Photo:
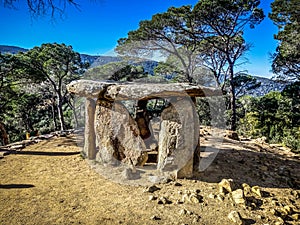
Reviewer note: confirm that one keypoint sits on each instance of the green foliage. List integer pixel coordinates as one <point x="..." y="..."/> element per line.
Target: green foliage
<point x="56" y="65"/>
<point x="275" y="116"/>
<point x="243" y="83"/>
<point x="33" y="92"/>
<point x="286" y="60"/>
<point x="209" y="34"/>
<point x="116" y="71"/>
<point x="203" y="110"/>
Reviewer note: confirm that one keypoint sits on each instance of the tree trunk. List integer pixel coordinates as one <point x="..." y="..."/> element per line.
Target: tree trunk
<point x="74" y="112"/>
<point x="232" y="101"/>
<point x="60" y="112"/>
<point x="4" y="135"/>
<point x="53" y="114"/>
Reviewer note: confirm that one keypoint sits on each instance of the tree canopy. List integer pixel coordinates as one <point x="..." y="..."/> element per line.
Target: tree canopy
<point x="286" y="59"/>
<point x="209" y="34"/>
<point x="56" y="65"/>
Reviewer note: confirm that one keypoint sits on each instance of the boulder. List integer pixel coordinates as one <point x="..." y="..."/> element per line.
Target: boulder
<point x="117" y="134"/>
<point x="178" y="137"/>
<point x="113" y="90"/>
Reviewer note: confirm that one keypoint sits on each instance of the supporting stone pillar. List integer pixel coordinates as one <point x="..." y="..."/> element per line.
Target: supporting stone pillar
<point x="89" y="131"/>
<point x="178" y="137"/>
<point x="118" y="135"/>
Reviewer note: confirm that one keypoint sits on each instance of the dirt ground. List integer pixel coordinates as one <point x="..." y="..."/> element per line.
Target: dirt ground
<point x="50" y="183"/>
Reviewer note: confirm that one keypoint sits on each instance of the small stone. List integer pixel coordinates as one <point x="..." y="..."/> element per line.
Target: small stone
<point x="295" y="194"/>
<point x="155" y="218"/>
<point x="189" y="212"/>
<point x="256" y="190"/>
<point x="163" y="201"/>
<point x="280" y="221"/>
<point x="182" y="212"/>
<point x="156" y="179"/>
<point x="194" y="199"/>
<point x="127" y="174"/>
<point x="238" y="196"/>
<point x="151" y="198"/>
<point x="226" y="185"/>
<point x="212" y="196"/>
<point x="274" y="212"/>
<point x="152" y="189"/>
<point x="178" y="202"/>
<point x="295" y="216"/>
<point x="220" y="197"/>
<point x="247" y="189"/>
<point x="185" y="198"/>
<point x="235" y="217"/>
<point x="274" y="203"/>
<point x="187" y="192"/>
<point x="287" y="209"/>
<point x="196" y="218"/>
<point x="259" y="217"/>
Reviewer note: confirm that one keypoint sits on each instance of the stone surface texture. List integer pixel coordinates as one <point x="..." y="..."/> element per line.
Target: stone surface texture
<point x="178" y="137"/>
<point x="112" y="135"/>
<point x="118" y="136"/>
<point x="131" y="90"/>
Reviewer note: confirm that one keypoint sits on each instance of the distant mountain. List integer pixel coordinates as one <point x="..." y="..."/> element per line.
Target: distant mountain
<point x="94" y="60"/>
<point x="266" y="84"/>
<point x="11" y="49"/>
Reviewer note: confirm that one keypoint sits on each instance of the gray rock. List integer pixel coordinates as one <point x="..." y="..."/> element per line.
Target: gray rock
<point x="128" y="174"/>
<point x="125" y="91"/>
<point x="163" y="201"/>
<point x="178" y="138"/>
<point x="155" y="217"/>
<point x="247" y="189"/>
<point x="152" y="197"/>
<point x="89" y="149"/>
<point x="182" y="212"/>
<point x="147" y="91"/>
<point x="238" y="196"/>
<point x="88" y="88"/>
<point x="256" y="190"/>
<point x="226" y="185"/>
<point x="235" y="217"/>
<point x="118" y="135"/>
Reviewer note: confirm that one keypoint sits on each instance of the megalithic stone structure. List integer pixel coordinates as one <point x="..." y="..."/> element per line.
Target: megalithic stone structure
<point x="112" y="135"/>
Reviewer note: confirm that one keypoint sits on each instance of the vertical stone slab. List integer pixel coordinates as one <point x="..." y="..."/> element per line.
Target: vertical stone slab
<point x="178" y="137"/>
<point x="118" y="135"/>
<point x="89" y="131"/>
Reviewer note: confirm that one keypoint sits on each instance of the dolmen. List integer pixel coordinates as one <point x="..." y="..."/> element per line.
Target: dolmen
<point x="115" y="135"/>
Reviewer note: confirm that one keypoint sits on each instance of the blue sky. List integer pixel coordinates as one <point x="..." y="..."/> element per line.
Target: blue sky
<point x="96" y="27"/>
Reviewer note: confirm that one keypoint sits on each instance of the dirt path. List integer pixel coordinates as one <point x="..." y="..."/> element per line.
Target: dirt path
<point x="50" y="183"/>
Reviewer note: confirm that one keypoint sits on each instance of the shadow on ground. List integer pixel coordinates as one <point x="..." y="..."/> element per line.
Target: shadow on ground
<point x="262" y="168"/>
<point x="15" y="186"/>
<point x="43" y="153"/>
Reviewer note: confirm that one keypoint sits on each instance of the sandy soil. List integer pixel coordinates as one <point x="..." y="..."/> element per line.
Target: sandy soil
<point x="50" y="183"/>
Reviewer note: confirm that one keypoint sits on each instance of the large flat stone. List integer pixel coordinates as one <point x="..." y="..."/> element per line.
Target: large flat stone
<point x="137" y="91"/>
